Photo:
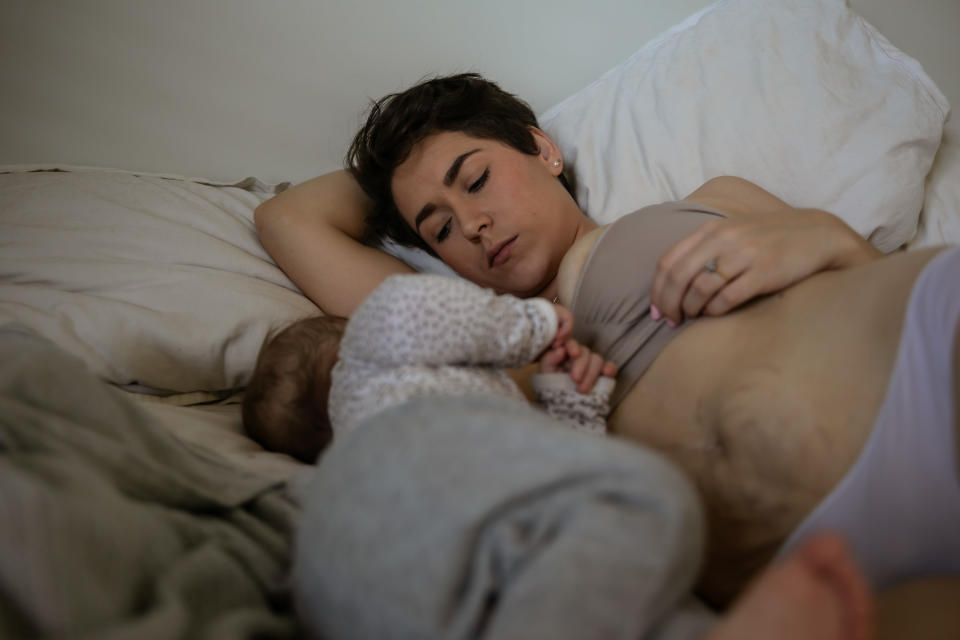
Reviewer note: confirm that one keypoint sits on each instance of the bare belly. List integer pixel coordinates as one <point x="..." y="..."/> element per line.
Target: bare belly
<point x="768" y="407"/>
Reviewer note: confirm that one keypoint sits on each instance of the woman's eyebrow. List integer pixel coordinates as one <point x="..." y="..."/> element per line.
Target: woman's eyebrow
<point x="454" y="169"/>
<point x="424" y="214"/>
<point x="448" y="180"/>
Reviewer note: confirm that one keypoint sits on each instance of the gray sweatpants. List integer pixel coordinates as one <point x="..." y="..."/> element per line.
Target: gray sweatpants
<point x="484" y="518"/>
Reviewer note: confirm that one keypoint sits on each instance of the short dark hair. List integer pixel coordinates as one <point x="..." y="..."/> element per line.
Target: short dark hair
<point x="466" y="102"/>
<point x="285" y="403"/>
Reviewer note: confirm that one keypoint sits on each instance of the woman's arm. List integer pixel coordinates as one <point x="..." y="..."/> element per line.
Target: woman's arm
<point x="313" y="231"/>
<point x="763" y="246"/>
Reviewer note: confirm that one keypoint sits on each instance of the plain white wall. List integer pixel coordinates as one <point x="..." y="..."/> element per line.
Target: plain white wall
<point x="231" y="88"/>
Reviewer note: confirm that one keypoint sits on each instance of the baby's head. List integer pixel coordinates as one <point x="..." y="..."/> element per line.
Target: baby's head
<point x="285" y="405"/>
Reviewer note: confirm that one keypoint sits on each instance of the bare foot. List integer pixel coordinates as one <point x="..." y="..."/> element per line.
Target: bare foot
<point x="818" y="592"/>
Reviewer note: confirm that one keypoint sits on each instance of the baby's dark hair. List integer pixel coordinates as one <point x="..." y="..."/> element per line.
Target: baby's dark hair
<point x="285" y="404"/>
<point x="466" y="102"/>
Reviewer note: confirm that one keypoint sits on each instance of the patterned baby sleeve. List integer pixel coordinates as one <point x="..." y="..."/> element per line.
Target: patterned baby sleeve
<point x="437" y="320"/>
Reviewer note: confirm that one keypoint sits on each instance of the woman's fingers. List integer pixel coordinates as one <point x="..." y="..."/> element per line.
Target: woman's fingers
<point x="704" y="289"/>
<point x="669" y="283"/>
<point x="733" y="294"/>
<point x="725" y="263"/>
<point x="678" y="288"/>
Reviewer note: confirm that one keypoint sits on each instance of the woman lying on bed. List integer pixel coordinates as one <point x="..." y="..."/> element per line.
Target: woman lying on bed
<point x="778" y="410"/>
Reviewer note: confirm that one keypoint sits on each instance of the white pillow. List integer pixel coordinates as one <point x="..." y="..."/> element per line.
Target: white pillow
<point x="802" y="97"/>
<point x="154" y="282"/>
<point x="940" y="221"/>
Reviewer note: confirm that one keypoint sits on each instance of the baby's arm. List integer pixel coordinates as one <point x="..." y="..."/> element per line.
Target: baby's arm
<point x="437" y="320"/>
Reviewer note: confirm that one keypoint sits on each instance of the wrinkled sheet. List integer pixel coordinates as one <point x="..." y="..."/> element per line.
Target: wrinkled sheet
<point x="110" y="527"/>
<point x="157" y="284"/>
<point x="485" y="518"/>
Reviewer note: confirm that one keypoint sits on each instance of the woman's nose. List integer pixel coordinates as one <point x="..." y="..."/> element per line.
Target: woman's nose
<point x="475" y="223"/>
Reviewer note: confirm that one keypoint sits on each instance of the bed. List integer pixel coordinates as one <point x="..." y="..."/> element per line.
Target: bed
<point x="133" y="305"/>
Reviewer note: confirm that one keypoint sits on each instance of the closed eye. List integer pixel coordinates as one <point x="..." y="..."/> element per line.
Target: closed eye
<point x="482" y="180"/>
<point x="444" y="231"/>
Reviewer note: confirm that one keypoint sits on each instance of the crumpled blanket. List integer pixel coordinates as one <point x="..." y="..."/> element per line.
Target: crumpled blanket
<point x="484" y="518"/>
<point x="110" y="527"/>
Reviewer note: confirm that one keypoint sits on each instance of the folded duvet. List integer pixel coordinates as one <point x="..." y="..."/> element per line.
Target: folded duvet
<point x="484" y="518"/>
<point x="112" y="528"/>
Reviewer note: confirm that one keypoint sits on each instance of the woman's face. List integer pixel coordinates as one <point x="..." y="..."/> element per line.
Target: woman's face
<point x="497" y="216"/>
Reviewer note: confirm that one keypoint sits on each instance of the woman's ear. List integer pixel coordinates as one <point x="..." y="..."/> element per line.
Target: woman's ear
<point x="549" y="152"/>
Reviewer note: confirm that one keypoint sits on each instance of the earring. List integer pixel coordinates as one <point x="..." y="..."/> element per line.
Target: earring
<point x="556" y="163"/>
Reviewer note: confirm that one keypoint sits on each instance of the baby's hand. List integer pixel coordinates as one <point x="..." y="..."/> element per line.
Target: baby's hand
<point x="564" y="326"/>
<point x="583" y="365"/>
<point x="552" y="359"/>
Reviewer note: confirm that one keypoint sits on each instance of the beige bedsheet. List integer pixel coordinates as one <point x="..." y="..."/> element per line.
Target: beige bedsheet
<point x="218" y="427"/>
<point x="112" y="528"/>
<point x="155" y="282"/>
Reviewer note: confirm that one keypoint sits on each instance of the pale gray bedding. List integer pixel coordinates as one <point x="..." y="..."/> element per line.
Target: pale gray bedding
<point x="485" y="518"/>
<point x="450" y="517"/>
<point x="110" y="527"/>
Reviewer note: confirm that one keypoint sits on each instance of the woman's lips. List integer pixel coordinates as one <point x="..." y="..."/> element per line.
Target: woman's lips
<point x="500" y="253"/>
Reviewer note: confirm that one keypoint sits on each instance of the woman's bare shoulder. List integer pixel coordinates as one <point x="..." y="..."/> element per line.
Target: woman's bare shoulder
<point x="733" y="196"/>
<point x="573" y="262"/>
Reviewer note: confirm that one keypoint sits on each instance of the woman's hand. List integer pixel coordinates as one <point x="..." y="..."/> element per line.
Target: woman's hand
<point x="583" y="365"/>
<point x="762" y="247"/>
